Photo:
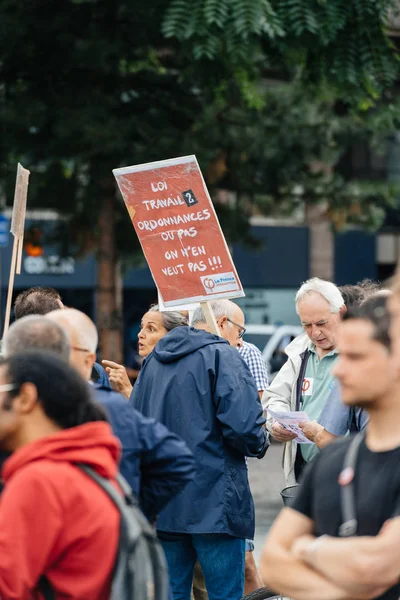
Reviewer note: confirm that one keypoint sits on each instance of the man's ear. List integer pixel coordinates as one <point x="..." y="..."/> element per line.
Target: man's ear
<point x="26" y="399"/>
<point x="343" y="311"/>
<point x="221" y="322"/>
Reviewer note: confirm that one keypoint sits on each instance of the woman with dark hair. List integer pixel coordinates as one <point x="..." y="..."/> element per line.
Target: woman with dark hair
<point x="155" y="325"/>
<point x="55" y="522"/>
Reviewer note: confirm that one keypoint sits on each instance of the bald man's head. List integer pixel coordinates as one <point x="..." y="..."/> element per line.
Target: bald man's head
<point x="36" y="333"/>
<point x="82" y="334"/>
<point x="229" y="317"/>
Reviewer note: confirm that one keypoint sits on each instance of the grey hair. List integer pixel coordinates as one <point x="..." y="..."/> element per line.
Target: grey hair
<point x="220" y="308"/>
<point x="35" y="332"/>
<point x="82" y="326"/>
<point x="326" y="289"/>
<point x="170" y="318"/>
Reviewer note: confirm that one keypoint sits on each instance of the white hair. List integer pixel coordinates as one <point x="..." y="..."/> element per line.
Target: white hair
<point x="82" y="325"/>
<point x="88" y="335"/>
<point x="220" y="308"/>
<point x="326" y="289"/>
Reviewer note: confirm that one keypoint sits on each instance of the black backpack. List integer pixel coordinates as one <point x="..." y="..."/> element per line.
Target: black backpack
<point x="140" y="570"/>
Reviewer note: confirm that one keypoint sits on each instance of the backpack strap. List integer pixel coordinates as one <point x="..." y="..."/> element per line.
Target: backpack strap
<point x="132" y="532"/>
<point x="44" y="585"/>
<point x="302" y="372"/>
<point x="126" y="488"/>
<point x="349" y="524"/>
<point x="108" y="487"/>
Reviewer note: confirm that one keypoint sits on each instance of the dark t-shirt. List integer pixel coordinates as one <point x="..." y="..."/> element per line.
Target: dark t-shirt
<point x="376" y="489"/>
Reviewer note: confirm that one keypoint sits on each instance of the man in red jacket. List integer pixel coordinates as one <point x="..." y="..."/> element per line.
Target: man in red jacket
<point x="55" y="522"/>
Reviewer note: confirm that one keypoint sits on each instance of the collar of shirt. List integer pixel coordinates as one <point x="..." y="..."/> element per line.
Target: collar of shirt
<point x="311" y="347"/>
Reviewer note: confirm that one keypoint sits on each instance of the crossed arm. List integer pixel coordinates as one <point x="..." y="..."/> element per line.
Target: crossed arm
<point x="358" y="561"/>
<point x="288" y="567"/>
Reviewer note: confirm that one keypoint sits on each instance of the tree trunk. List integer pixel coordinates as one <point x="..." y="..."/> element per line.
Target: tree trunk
<point x="321" y="246"/>
<point x="109" y="281"/>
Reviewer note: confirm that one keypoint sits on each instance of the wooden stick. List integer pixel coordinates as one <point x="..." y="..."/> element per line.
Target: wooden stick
<point x="20" y="197"/>
<point x="19" y="255"/>
<point x="10" y="287"/>
<point x="210" y="319"/>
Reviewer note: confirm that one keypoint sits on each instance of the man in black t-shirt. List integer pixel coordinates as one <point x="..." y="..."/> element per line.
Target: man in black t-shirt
<point x="304" y="557"/>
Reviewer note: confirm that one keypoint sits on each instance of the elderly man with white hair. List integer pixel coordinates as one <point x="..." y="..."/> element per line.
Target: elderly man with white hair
<point x="305" y="380"/>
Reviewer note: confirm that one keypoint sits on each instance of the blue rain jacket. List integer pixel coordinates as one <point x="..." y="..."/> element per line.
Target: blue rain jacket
<point x="201" y="389"/>
<point x="100" y="376"/>
<point x="155" y="462"/>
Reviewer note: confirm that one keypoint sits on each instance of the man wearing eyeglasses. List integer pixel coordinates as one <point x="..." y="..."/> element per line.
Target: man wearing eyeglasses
<point x="229" y="318"/>
<point x="196" y="384"/>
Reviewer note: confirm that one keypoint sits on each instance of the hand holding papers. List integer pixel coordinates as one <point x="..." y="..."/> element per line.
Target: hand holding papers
<point x="290" y="421"/>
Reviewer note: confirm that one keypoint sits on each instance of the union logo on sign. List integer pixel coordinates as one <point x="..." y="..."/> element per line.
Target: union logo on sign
<point x="209" y="283"/>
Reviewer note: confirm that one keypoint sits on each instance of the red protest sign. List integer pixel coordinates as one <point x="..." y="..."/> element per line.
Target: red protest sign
<point x="175" y="220"/>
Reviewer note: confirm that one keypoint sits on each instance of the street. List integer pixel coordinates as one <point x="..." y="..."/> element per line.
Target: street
<point x="266" y="481"/>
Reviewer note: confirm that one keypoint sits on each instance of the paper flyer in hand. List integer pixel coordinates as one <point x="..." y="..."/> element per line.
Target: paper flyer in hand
<point x="290" y="421"/>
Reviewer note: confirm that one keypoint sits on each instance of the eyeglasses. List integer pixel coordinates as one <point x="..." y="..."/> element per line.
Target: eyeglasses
<point x="78" y="349"/>
<point x="242" y="330"/>
<point x="8" y="387"/>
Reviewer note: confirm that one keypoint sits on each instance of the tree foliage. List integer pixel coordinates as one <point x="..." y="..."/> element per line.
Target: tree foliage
<point x="87" y="87"/>
<point x="297" y="151"/>
<point x="90" y="85"/>
<point x="337" y="43"/>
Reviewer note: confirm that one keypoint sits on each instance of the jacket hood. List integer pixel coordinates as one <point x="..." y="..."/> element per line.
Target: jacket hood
<point x="91" y="443"/>
<point x="182" y="341"/>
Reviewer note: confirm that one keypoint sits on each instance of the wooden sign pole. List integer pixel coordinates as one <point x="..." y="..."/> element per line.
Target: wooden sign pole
<point x="205" y="307"/>
<point x="10" y="286"/>
<point x="17" y="229"/>
<point x="210" y="318"/>
<point x="19" y="254"/>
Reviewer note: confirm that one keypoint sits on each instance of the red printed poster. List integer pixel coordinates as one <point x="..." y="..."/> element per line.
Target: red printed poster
<point x="175" y="220"/>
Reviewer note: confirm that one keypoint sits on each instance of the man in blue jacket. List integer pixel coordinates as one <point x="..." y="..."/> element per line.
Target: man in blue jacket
<point x="197" y="385"/>
<point x="155" y="462"/>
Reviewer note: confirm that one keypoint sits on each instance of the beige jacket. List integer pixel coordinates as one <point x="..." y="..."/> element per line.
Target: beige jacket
<point x="281" y="396"/>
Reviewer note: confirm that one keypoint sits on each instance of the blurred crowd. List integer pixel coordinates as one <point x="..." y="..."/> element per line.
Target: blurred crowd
<point x="180" y="437"/>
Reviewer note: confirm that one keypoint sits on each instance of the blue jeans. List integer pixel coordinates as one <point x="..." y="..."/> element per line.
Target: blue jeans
<point x="221" y="558"/>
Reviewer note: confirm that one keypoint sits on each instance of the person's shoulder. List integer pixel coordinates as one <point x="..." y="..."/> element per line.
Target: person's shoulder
<point x="298" y="345"/>
<point x="328" y="463"/>
<point x="105" y="395"/>
<point x="121" y="411"/>
<point x="121" y="408"/>
<point x="248" y="348"/>
<point x="229" y="354"/>
<point x="40" y="475"/>
<point x="336" y="451"/>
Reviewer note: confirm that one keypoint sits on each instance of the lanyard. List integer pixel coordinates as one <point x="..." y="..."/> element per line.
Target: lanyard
<point x="349" y="524"/>
<point x="302" y="372"/>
